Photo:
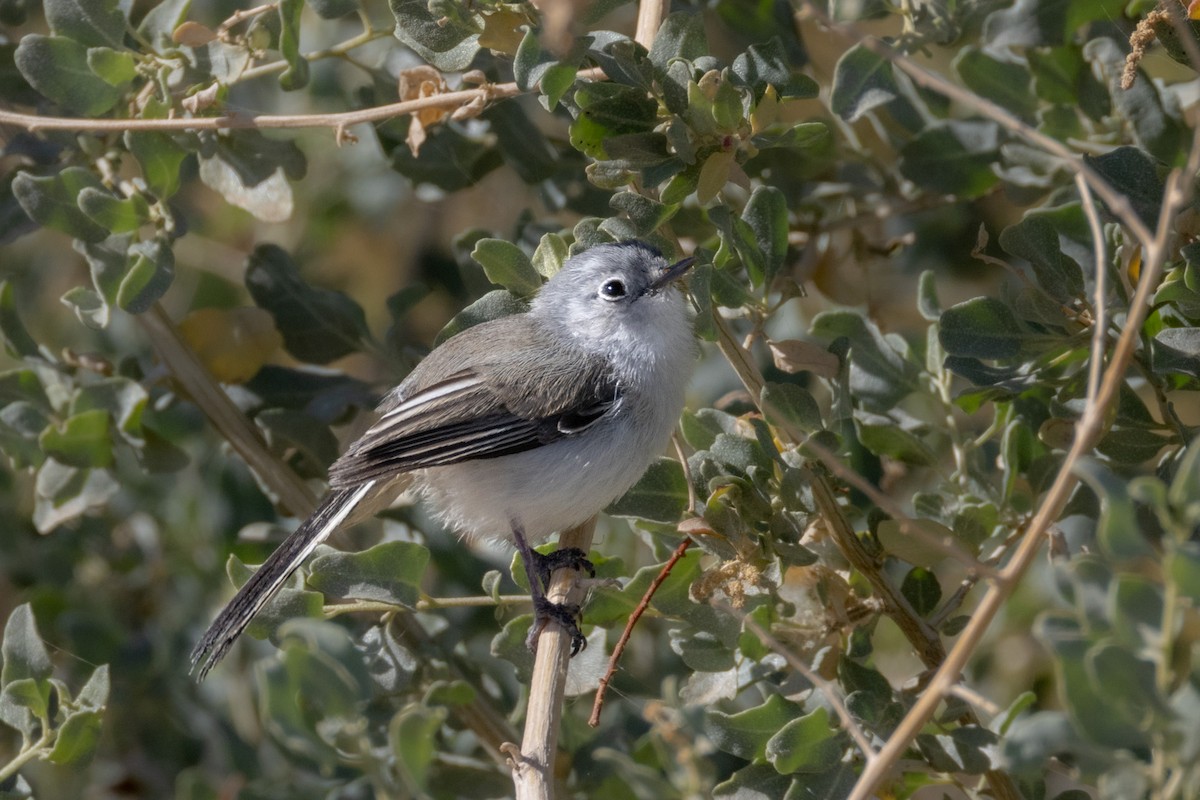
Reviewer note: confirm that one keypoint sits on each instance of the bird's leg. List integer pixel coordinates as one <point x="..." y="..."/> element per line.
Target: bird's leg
<point x="538" y="569"/>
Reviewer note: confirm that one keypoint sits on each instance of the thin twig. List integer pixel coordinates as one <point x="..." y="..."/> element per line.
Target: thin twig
<point x="424" y="604"/>
<point x="244" y="14"/>
<point x="1099" y="295"/>
<point x="598" y="704"/>
<point x="344" y="119"/>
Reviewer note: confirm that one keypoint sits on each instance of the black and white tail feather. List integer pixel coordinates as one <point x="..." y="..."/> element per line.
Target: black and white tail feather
<point x="270" y="577"/>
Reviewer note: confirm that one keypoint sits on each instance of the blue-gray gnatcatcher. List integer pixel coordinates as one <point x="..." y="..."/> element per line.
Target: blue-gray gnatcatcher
<point x="518" y="427"/>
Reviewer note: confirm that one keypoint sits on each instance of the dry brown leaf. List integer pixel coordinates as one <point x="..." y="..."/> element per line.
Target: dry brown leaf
<point x="793" y="355"/>
<point x="193" y="34"/>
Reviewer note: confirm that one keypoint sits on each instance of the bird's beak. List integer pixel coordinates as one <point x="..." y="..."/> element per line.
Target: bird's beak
<point x="674" y="271"/>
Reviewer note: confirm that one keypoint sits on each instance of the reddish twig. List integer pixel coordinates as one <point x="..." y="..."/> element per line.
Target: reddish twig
<point x="598" y="705"/>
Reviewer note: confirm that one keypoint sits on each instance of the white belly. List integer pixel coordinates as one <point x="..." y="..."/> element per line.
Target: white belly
<point x="549" y="488"/>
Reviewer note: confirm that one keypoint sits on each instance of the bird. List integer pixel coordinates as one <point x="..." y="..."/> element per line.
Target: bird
<point x="516" y="428"/>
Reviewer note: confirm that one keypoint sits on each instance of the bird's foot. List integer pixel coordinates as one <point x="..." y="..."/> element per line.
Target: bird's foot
<point x="571" y="557"/>
<point x="567" y="617"/>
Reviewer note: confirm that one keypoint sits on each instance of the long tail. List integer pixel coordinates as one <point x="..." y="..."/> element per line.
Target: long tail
<point x="263" y="584"/>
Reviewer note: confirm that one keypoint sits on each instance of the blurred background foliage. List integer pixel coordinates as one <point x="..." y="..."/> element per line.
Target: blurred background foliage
<point x="898" y="291"/>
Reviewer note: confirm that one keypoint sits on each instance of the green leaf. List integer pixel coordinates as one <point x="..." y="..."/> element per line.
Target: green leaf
<point x="88" y="306"/>
<point x="58" y="68"/>
<point x="412" y="734"/>
<point x="17" y="341"/>
<point x="661" y="495"/>
<point x="550" y="255"/>
<point x="334" y="9"/>
<point x="161" y="21"/>
<point x="449" y="159"/>
<point x="14" y="222"/>
<point x="387" y="573"/>
<point x="506" y="265"/>
<point x="325" y="667"/>
<point x="767" y="215"/>
<point x="116" y="67"/>
<point x="53" y="201"/>
<point x="113" y="213"/>
<point x="20" y="425"/>
<point x="1036" y="23"/>
<point x="607" y="110"/>
<point x="1054" y="241"/>
<point x="922" y="590"/>
<point x="296" y="74"/>
<point x="30" y="694"/>
<point x="1128" y="681"/>
<point x="493" y="305"/>
<point x="22" y="650"/>
<point x="983" y="327"/>
<point x="447" y="43"/>
<point x="94" y="694"/>
<point x="83" y="441"/>
<point x="953" y="157"/>
<point x="1155" y="128"/>
<point x="916" y="550"/>
<point x="761" y="781"/>
<point x="555" y="83"/>
<point x="747" y="733"/>
<point x="1005" y="83"/>
<point x="1117" y="530"/>
<point x="792" y="406"/>
<point x="889" y="439"/>
<point x="879" y="374"/>
<point x="65" y="493"/>
<point x="23" y="385"/>
<point x="645" y="214"/>
<point x="1182" y="492"/>
<point x="806" y="744"/>
<point x="703" y="650"/>
<point x="681" y="35"/>
<point x="318" y="325"/>
<point x="150" y="273"/>
<point x="766" y="64"/>
<point x="160" y="158"/>
<point x="88" y="22"/>
<point x="1183" y="567"/>
<point x="296" y="436"/>
<point x="77" y="739"/>
<point x="862" y="81"/>
<point x="123" y="399"/>
<point x="801" y="136"/>
<point x="1132" y="445"/>
<point x="1177" y="350"/>
<point x="531" y="62"/>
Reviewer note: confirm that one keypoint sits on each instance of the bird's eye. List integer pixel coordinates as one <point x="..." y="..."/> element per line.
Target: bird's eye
<point x="612" y="289"/>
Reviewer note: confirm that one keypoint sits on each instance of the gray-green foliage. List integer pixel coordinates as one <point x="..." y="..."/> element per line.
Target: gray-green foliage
<point x="846" y="176"/>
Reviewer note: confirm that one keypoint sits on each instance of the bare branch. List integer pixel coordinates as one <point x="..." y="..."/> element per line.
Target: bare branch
<point x="533" y="764"/>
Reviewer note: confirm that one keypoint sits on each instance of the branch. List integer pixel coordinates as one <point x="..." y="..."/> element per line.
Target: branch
<point x="533" y="765"/>
<point x="465" y="97"/>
